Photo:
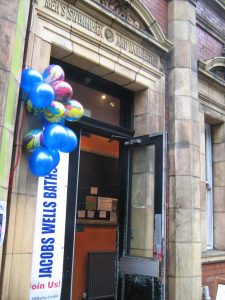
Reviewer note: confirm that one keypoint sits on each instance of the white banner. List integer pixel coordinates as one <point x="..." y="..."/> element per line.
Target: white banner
<point x="48" y="248"/>
<point x="2" y="221"/>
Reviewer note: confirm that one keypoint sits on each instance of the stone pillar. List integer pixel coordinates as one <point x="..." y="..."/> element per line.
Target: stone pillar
<point x="184" y="242"/>
<point x="13" y="20"/>
<point x="22" y="197"/>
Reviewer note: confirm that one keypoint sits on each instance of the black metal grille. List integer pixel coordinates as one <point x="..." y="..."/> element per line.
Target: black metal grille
<point x="101" y="275"/>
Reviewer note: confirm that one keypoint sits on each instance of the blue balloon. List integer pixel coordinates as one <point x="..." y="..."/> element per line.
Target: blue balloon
<point x="56" y="157"/>
<point x="41" y="162"/>
<point x="70" y="143"/>
<point x="42" y="95"/>
<point x="29" y="78"/>
<point x="54" y="136"/>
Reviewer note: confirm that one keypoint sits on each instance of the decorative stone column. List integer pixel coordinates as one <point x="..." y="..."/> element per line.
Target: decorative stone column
<point x="184" y="242"/>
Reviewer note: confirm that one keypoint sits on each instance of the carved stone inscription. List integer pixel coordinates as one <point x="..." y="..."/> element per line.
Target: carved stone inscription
<point x="123" y="43"/>
<point x="137" y="50"/>
<point x="74" y="16"/>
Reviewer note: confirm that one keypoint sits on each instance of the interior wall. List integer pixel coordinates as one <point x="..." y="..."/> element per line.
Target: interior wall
<point x="109" y="148"/>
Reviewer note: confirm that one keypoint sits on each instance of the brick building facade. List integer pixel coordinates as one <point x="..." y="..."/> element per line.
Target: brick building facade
<point x="168" y="56"/>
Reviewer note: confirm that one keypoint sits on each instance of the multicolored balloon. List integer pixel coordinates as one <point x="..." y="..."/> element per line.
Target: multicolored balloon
<point x="53" y="73"/>
<point x="47" y="144"/>
<point x="54" y="112"/>
<point x="32" y="139"/>
<point x="45" y="122"/>
<point x="63" y="91"/>
<point x="36" y="111"/>
<point x="29" y="78"/>
<point x="42" y="95"/>
<point x="73" y="110"/>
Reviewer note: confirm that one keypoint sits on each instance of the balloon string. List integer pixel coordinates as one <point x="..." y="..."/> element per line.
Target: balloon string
<point x="18" y="152"/>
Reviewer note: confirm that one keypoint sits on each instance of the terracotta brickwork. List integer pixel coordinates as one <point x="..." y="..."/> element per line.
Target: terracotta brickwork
<point x="211" y="12"/>
<point x="159" y="11"/>
<point x="207" y="45"/>
<point x="209" y="274"/>
<point x="210" y="29"/>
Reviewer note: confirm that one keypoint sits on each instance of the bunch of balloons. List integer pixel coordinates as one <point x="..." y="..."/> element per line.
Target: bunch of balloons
<point x="49" y="97"/>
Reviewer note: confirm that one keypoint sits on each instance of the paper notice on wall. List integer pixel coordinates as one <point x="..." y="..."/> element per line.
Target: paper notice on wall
<point x="2" y="221"/>
<point x="220" y="295"/>
<point x="158" y="236"/>
<point x="48" y="248"/>
<point x="94" y="190"/>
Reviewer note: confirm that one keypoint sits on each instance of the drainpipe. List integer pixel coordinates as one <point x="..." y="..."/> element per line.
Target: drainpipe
<point x="205" y="292"/>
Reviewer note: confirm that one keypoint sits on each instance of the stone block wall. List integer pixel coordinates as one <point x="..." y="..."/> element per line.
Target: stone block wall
<point x="184" y="241"/>
<point x="13" y="19"/>
<point x="21" y="194"/>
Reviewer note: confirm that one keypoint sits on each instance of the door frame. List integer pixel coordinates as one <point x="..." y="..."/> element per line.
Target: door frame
<point x="120" y="133"/>
<point x="123" y="136"/>
<point x="101" y="129"/>
<point x="126" y="262"/>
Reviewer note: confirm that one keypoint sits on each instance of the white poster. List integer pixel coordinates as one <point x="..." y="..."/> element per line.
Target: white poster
<point x="220" y="292"/>
<point x="48" y="248"/>
<point x="2" y="221"/>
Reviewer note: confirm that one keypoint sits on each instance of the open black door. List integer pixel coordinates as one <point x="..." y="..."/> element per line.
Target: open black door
<point x="141" y="260"/>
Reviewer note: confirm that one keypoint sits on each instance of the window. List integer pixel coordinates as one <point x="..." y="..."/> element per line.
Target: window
<point x="209" y="186"/>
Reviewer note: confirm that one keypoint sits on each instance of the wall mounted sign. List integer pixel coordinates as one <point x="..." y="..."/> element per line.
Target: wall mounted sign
<point x="48" y="247"/>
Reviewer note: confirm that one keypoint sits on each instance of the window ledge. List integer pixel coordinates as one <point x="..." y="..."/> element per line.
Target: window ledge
<point x="212" y="256"/>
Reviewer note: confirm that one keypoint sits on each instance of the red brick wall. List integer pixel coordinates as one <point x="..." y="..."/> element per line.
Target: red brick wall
<point x="158" y="9"/>
<point x="210" y="272"/>
<point x="212" y="12"/>
<point x="207" y="45"/>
